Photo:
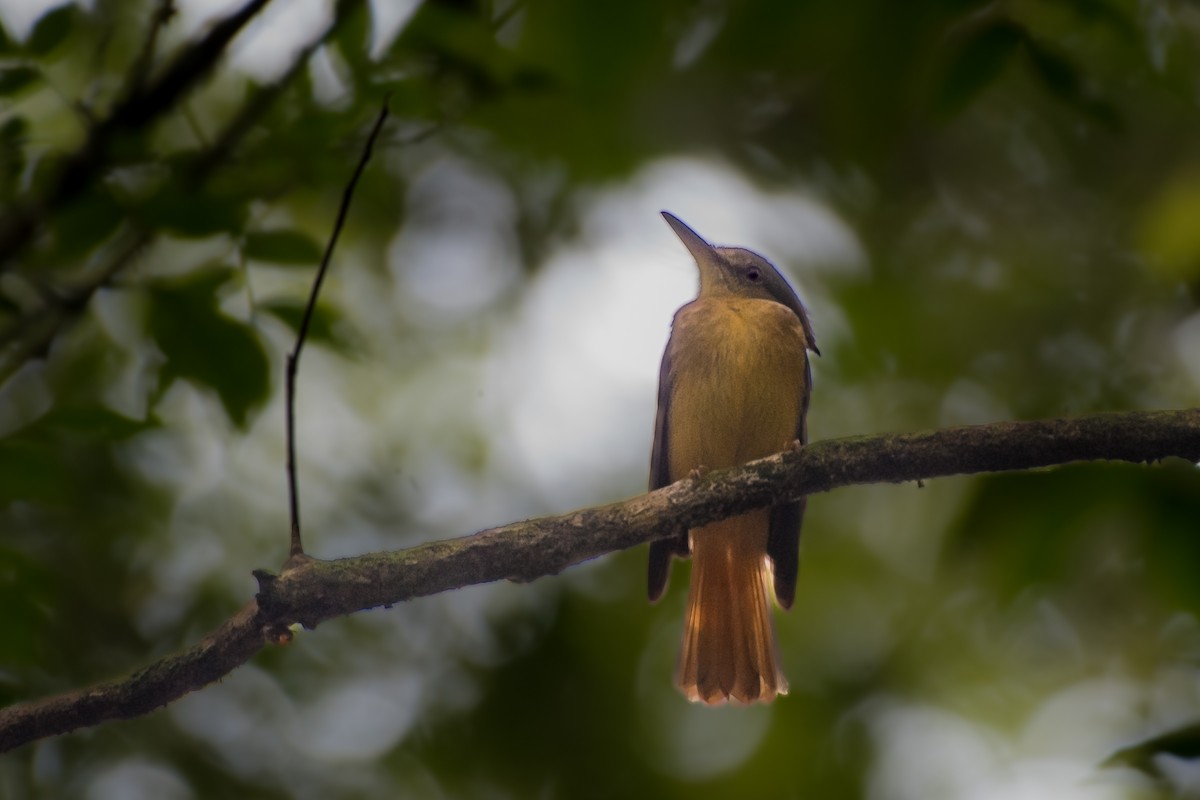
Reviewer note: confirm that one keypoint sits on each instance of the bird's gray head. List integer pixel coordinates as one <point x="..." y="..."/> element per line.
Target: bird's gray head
<point x="739" y="272"/>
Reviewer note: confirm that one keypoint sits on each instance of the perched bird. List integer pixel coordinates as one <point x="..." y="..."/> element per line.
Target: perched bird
<point x="733" y="386"/>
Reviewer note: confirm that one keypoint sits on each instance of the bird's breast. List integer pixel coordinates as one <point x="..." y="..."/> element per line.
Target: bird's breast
<point x="739" y="373"/>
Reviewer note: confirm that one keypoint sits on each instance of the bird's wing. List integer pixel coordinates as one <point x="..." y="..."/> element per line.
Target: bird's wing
<point x="662" y="550"/>
<point x="783" y="540"/>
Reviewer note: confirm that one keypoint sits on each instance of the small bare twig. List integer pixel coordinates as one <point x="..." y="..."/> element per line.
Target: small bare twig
<point x="293" y="360"/>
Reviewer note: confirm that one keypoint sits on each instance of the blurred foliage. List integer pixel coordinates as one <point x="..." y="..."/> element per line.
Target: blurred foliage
<point x="1019" y="180"/>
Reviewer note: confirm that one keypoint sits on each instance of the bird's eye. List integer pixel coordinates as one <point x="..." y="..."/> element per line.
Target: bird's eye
<point x="753" y="274"/>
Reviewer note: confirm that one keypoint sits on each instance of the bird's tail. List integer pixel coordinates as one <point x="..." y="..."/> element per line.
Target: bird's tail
<point x="729" y="650"/>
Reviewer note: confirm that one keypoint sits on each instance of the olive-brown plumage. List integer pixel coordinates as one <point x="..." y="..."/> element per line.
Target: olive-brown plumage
<point x="734" y="386"/>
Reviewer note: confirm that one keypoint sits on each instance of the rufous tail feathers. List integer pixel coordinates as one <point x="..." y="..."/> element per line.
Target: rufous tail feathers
<point x="729" y="650"/>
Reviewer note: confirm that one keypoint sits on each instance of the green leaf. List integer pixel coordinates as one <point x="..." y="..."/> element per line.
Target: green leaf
<point x="31" y="471"/>
<point x="1183" y="742"/>
<point x="282" y="247"/>
<point x="977" y="63"/>
<point x="323" y="327"/>
<point x="202" y="281"/>
<point x="14" y="129"/>
<point x="28" y="596"/>
<point x="85" y="222"/>
<point x="191" y="213"/>
<point x="353" y="38"/>
<point x="52" y="29"/>
<point x="92" y="424"/>
<point x="1056" y="73"/>
<point x="32" y="467"/>
<point x="1062" y="79"/>
<point x="14" y="79"/>
<point x="204" y="345"/>
<point x="12" y="155"/>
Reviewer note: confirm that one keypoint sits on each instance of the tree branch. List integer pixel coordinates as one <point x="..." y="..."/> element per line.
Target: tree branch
<point x="311" y="591"/>
<point x="169" y="678"/>
<point x="31" y="334"/>
<point x="140" y="107"/>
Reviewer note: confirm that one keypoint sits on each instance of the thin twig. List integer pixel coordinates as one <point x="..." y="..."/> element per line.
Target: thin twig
<point x="293" y="360"/>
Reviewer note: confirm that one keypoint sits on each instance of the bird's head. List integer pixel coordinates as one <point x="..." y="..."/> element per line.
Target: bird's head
<point x="736" y="271"/>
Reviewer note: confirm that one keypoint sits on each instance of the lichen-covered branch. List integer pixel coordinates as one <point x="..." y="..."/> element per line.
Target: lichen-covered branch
<point x="310" y="591"/>
<point x="169" y="678"/>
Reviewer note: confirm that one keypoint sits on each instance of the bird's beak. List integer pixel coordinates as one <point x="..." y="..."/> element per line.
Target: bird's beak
<point x="706" y="256"/>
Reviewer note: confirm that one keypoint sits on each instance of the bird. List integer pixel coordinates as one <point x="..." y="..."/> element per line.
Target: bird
<point x="734" y="386"/>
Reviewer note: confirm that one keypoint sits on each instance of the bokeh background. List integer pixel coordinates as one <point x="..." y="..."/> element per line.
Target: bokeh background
<point x="992" y="211"/>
